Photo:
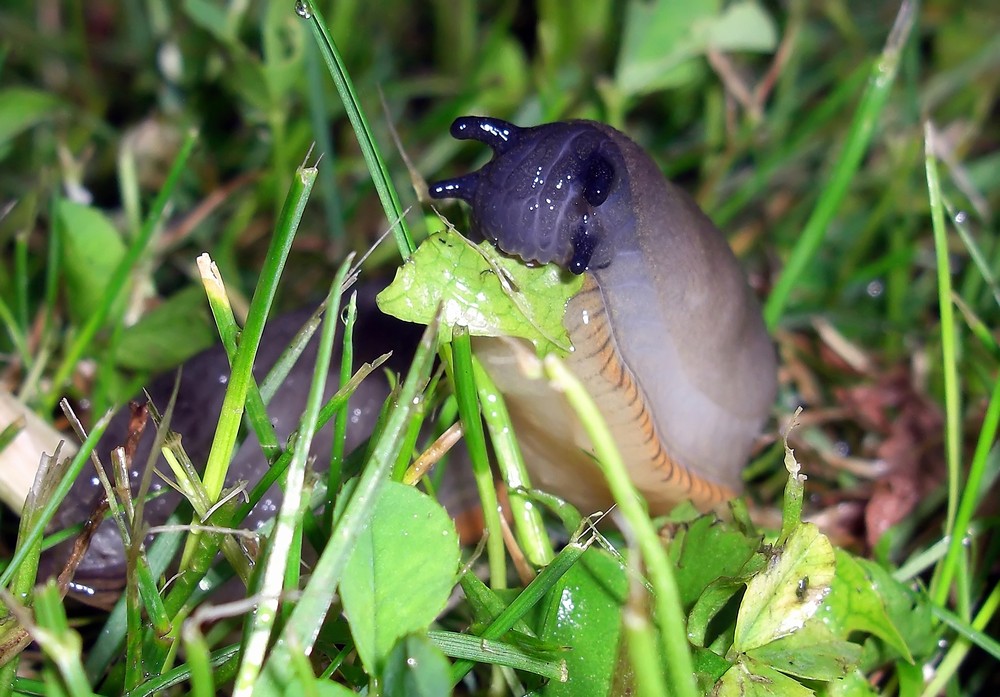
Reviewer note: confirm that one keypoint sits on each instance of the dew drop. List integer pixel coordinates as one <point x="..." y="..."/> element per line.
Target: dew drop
<point x="302" y="9"/>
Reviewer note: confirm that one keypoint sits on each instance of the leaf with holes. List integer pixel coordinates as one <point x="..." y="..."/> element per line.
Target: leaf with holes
<point x="463" y="280"/>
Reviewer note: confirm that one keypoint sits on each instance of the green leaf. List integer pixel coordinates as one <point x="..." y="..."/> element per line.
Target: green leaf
<point x="583" y="613"/>
<point x="709" y="604"/>
<point x="449" y="272"/>
<point x="91" y="249"/>
<point x="909" y="611"/>
<point x="709" y="667"/>
<point x="657" y="42"/>
<point x="21" y="109"/>
<point x="744" y="26"/>
<point x="416" y="668"/>
<point x="662" y="38"/>
<point x="856" y="602"/>
<point x="400" y="573"/>
<point x="706" y="550"/>
<point x="717" y="598"/>
<point x="781" y="598"/>
<point x="813" y="652"/>
<point x="166" y="336"/>
<point x="749" y="678"/>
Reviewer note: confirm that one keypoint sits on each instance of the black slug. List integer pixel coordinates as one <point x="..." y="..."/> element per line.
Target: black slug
<point x="667" y="335"/>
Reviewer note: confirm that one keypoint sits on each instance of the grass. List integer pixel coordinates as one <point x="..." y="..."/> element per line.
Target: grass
<point x="848" y="150"/>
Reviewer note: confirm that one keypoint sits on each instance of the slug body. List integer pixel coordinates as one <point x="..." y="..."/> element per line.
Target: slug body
<point x="667" y="335"/>
<point x="668" y="339"/>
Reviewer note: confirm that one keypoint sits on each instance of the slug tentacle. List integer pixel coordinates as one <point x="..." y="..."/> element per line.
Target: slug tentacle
<point x="463" y="188"/>
<point x="497" y="133"/>
<point x="548" y="194"/>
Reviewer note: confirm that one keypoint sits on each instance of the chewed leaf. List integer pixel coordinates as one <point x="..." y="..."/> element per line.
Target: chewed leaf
<point x="478" y="288"/>
<point x="705" y="551"/>
<point x="782" y="597"/>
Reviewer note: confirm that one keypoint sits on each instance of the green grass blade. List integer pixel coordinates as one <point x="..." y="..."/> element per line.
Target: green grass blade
<point x="225" y="321"/>
<point x="222" y="662"/>
<point x="529" y="525"/>
<point x="671" y="621"/>
<point x="50" y="629"/>
<point x="949" y="357"/>
<point x="340" y="421"/>
<point x="525" y="600"/>
<point x="242" y="374"/>
<point x="858" y="138"/>
<point x="472" y="423"/>
<point x="26" y="542"/>
<point x="280" y="541"/>
<point x="970" y="633"/>
<point x="479" y="650"/>
<point x="362" y="131"/>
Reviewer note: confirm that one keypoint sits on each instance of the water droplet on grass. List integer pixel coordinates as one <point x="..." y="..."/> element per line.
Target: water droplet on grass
<point x="303" y="10"/>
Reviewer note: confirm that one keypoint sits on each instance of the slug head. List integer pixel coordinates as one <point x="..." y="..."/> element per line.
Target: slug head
<point x="548" y="194"/>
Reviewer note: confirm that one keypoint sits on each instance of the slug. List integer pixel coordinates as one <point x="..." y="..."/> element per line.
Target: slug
<point x="667" y="335"/>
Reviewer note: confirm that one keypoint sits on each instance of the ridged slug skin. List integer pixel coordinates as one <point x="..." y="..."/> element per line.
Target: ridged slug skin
<point x="667" y="335"/>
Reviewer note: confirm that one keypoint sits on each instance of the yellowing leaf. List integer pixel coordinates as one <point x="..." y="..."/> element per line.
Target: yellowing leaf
<point x="782" y="597"/>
